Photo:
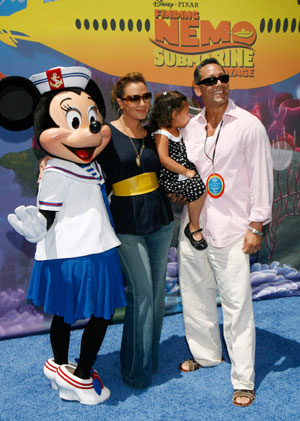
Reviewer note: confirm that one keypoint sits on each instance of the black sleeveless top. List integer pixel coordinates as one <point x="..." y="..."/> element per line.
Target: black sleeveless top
<point x="141" y="214"/>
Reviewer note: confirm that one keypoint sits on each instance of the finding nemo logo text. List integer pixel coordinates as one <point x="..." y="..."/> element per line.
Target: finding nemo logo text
<point x="183" y="40"/>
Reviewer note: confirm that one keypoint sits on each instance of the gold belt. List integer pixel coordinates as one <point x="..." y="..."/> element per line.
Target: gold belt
<point x="139" y="184"/>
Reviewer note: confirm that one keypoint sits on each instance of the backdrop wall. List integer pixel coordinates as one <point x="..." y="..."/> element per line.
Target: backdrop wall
<point x="256" y="42"/>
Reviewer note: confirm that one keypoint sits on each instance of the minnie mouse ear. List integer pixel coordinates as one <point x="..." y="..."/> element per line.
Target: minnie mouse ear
<point x="18" y="100"/>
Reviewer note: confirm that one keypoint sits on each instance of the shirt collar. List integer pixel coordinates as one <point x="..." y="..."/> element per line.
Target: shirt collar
<point x="231" y="110"/>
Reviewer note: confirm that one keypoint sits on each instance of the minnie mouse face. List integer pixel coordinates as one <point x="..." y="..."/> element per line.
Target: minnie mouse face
<point x="67" y="116"/>
<point x="77" y="136"/>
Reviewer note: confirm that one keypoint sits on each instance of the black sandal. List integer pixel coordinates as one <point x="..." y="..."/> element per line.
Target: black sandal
<point x="199" y="245"/>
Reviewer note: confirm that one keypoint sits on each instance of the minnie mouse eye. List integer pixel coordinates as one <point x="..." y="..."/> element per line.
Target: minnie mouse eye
<point x="93" y="115"/>
<point x="73" y="119"/>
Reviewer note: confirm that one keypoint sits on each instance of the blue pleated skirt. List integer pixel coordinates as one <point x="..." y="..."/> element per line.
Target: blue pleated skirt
<point x="77" y="288"/>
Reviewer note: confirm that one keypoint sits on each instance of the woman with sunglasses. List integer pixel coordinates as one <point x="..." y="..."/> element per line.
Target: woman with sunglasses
<point x="144" y="224"/>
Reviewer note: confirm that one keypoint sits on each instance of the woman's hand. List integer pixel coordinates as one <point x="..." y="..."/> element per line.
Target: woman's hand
<point x="42" y="166"/>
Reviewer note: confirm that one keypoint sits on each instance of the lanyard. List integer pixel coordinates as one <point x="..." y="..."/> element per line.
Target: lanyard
<point x="214" y="151"/>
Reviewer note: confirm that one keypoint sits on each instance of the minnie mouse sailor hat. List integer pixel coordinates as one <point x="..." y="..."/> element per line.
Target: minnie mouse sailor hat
<point x="61" y="77"/>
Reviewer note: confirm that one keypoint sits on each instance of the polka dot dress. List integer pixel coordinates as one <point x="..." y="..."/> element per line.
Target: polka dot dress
<point x="190" y="188"/>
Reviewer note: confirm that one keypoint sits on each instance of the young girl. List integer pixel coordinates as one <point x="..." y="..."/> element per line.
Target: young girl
<point x="178" y="175"/>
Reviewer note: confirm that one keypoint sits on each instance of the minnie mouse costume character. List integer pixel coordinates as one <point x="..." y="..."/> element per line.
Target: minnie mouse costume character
<point x="76" y="272"/>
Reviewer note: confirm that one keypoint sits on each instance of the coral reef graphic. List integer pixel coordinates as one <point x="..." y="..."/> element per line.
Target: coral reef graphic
<point x="278" y="111"/>
<point x="286" y="202"/>
<point x="16" y="256"/>
<point x="172" y="294"/>
<point x="274" y="281"/>
<point x="19" y="319"/>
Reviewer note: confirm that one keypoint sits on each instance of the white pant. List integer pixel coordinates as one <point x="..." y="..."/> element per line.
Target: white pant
<point x="200" y="274"/>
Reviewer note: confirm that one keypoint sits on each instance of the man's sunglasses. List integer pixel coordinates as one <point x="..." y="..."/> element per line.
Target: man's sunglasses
<point x="210" y="81"/>
<point x="135" y="99"/>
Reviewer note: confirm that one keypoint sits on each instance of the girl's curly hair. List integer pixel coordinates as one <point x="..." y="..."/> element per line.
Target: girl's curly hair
<point x="164" y="105"/>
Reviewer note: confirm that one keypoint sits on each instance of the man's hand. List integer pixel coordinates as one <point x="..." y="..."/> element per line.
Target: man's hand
<point x="177" y="199"/>
<point x="190" y="173"/>
<point x="252" y="242"/>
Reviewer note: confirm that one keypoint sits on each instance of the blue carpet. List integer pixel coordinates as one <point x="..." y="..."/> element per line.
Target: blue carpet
<point x="203" y="395"/>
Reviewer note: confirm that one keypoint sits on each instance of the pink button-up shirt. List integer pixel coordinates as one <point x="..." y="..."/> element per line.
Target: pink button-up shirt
<point x="243" y="159"/>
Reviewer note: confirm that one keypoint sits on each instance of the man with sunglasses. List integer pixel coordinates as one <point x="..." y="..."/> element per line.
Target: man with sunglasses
<point x="231" y="151"/>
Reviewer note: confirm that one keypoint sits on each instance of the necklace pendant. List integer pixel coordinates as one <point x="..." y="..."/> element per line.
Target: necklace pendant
<point x="138" y="161"/>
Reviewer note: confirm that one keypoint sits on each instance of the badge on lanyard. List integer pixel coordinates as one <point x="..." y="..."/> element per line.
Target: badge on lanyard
<point x="215" y="185"/>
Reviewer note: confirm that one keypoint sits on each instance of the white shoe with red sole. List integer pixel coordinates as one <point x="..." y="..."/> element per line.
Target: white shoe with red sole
<point x="50" y="368"/>
<point x="73" y="388"/>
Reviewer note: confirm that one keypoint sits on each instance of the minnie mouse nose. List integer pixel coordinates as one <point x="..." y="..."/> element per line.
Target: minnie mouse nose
<point x="95" y="126"/>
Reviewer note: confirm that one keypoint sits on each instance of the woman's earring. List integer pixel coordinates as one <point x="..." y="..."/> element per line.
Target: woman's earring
<point x="119" y="112"/>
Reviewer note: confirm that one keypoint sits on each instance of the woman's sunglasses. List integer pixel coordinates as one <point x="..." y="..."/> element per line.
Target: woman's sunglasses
<point x="135" y="99"/>
<point x="210" y="81"/>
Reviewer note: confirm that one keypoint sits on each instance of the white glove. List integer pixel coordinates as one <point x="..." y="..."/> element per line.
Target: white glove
<point x="29" y="222"/>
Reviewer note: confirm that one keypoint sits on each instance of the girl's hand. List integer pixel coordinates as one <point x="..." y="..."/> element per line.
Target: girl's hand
<point x="190" y="173"/>
<point x="42" y="166"/>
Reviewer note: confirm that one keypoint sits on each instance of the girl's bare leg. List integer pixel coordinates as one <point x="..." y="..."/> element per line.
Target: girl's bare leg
<point x="194" y="210"/>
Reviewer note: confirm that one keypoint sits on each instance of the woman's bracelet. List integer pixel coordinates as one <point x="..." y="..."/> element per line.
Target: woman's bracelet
<point x="254" y="231"/>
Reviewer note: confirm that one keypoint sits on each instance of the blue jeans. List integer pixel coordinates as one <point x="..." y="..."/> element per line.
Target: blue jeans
<point x="144" y="261"/>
